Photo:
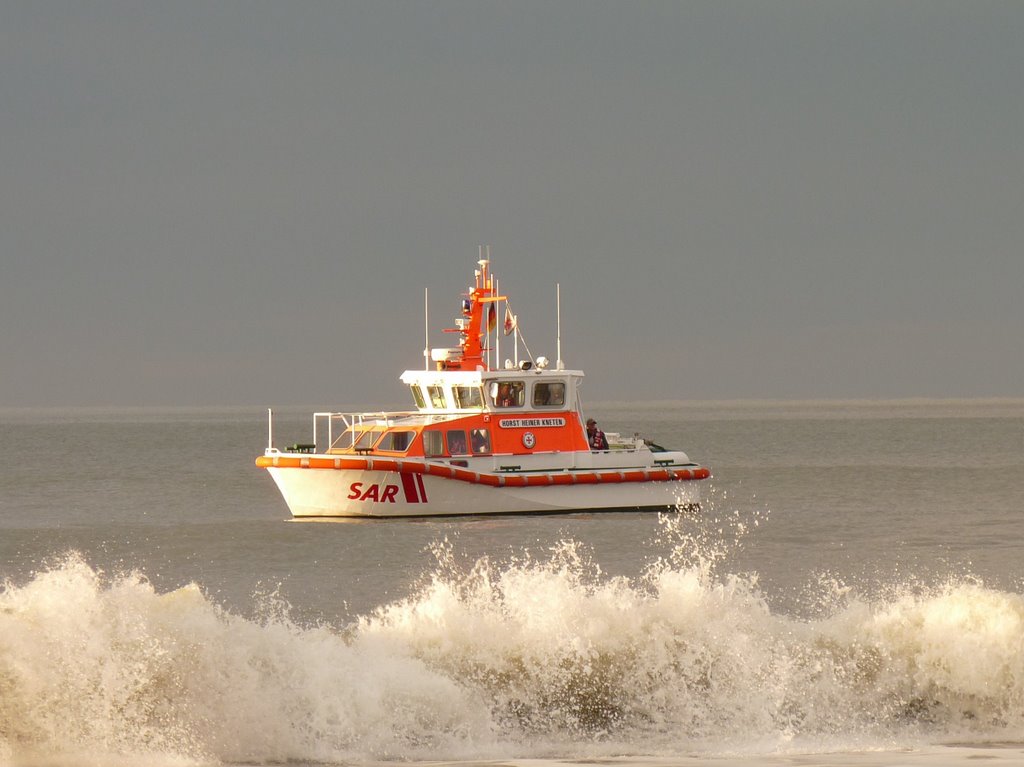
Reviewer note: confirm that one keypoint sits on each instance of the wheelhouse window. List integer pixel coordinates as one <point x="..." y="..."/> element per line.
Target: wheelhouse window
<point x="457" y="442"/>
<point x="437" y="397"/>
<point x="433" y="443"/>
<point x="368" y="438"/>
<point x="417" y="395"/>
<point x="549" y="394"/>
<point x="480" y="439"/>
<point x="508" y="393"/>
<point x="397" y="441"/>
<point x="467" y="397"/>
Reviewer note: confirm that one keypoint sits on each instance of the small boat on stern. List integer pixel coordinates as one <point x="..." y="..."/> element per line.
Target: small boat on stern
<point x="483" y="439"/>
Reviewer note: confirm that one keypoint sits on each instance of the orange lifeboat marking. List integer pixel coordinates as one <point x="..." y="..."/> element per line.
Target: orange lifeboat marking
<point x="446" y="471"/>
<point x="466" y="475"/>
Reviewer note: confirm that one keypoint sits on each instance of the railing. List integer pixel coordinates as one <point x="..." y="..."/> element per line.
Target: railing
<point x="355" y="423"/>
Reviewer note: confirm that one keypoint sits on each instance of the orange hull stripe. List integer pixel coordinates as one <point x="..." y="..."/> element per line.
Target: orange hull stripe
<point x="483" y="478"/>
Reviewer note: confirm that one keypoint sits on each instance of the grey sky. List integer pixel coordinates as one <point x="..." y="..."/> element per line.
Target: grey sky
<point x="242" y="202"/>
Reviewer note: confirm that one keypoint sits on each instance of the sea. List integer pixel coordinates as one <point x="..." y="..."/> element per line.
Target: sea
<point x="851" y="592"/>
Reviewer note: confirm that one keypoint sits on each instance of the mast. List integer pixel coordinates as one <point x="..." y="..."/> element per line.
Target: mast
<point x="492" y="358"/>
<point x="474" y="333"/>
<point x="474" y="321"/>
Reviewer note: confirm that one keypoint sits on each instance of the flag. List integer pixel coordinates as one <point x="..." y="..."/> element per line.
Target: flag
<point x="492" y="318"/>
<point x="510" y="321"/>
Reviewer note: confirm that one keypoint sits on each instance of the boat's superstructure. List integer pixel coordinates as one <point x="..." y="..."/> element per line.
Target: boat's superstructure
<point x="482" y="440"/>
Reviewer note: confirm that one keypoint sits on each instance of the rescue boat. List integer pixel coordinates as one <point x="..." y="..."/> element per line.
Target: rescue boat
<point x="483" y="439"/>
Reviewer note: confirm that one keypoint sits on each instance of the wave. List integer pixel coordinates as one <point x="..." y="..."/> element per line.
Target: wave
<point x="537" y="656"/>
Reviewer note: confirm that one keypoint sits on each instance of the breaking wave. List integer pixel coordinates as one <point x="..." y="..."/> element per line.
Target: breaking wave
<point x="536" y="656"/>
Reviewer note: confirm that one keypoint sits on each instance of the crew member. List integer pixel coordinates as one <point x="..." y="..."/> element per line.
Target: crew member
<point x="504" y="398"/>
<point x="595" y="436"/>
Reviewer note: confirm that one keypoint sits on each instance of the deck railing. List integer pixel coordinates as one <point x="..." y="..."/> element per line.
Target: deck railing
<point x="355" y="423"/>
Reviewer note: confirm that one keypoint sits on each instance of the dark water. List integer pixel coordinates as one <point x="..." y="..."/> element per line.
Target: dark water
<point x="853" y="584"/>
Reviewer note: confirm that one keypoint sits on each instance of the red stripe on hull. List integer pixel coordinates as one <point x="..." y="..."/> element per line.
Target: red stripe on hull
<point x="409" y="487"/>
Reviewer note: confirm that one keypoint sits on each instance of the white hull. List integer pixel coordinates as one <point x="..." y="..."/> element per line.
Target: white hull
<point x="353" y="493"/>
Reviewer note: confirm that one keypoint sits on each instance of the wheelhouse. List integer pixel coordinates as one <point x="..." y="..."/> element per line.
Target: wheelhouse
<point x="487" y="391"/>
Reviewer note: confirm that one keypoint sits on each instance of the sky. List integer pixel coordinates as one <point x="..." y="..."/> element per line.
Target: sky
<point x="243" y="202"/>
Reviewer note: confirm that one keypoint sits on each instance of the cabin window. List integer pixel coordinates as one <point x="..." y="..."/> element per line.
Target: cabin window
<point x="433" y="443"/>
<point x="457" y="442"/>
<point x="467" y="397"/>
<point x="437" y="397"/>
<point x="397" y="441"/>
<point x="481" y="440"/>
<point x="508" y="393"/>
<point x="549" y="394"/>
<point x="367" y="438"/>
<point x="417" y="395"/>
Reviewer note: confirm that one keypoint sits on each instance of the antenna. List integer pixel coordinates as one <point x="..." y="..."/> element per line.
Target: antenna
<point x="515" y="335"/>
<point x="497" y="329"/>
<point x="426" y="328"/>
<point x="558" y="305"/>
<point x="492" y="354"/>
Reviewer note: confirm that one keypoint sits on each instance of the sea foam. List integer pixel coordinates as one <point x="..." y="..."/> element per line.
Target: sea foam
<point x="538" y="655"/>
